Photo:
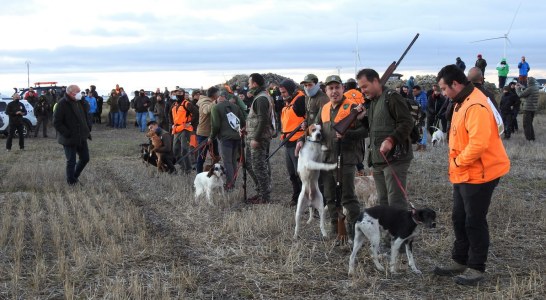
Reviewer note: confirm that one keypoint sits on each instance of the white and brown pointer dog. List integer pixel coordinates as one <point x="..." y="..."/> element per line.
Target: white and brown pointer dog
<point x="402" y="226"/>
<point x="309" y="166"/>
<point x="207" y="182"/>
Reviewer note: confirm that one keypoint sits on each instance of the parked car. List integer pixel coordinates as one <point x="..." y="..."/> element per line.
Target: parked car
<point x="29" y="119"/>
<point x="42" y="86"/>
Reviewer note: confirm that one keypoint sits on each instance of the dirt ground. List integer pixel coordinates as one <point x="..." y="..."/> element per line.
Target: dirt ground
<point x="130" y="233"/>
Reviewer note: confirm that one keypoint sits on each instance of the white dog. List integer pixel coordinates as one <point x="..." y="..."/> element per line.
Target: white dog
<point x="309" y="166"/>
<point x="206" y="182"/>
<point x="438" y="137"/>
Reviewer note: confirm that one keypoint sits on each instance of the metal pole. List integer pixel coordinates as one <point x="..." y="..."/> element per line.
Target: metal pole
<point x="28" y="73"/>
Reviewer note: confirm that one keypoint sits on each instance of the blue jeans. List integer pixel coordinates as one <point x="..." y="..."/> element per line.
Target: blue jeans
<point x="123" y="119"/>
<point x="151" y="115"/>
<point x="141" y="120"/>
<point x="73" y="169"/>
<point x="202" y="156"/>
<point x="115" y="119"/>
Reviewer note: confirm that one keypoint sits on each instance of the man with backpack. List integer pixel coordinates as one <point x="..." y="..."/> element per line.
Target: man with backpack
<point x="226" y="120"/>
<point x="389" y="151"/>
<point x="182" y="129"/>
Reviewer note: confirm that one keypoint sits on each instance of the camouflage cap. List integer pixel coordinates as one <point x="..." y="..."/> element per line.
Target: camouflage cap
<point x="332" y="78"/>
<point x="309" y="78"/>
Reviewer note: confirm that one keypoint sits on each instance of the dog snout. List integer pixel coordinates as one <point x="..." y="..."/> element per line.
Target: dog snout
<point x="319" y="135"/>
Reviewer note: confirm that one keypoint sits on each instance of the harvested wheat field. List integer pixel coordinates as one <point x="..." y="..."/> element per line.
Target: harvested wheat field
<point x="129" y="233"/>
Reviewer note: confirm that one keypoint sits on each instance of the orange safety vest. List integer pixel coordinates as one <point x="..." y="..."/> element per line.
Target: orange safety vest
<point x="344" y="111"/>
<point x="290" y="120"/>
<point x="355" y="96"/>
<point x="181" y="118"/>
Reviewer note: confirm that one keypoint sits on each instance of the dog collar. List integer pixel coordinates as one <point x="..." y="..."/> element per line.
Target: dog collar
<point x="318" y="142"/>
<point x="413" y="217"/>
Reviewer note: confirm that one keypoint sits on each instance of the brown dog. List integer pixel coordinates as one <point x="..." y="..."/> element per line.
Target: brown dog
<point x="156" y="142"/>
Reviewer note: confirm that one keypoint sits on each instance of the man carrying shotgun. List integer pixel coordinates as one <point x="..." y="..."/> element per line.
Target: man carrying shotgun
<point x="350" y="152"/>
<point x="390" y="124"/>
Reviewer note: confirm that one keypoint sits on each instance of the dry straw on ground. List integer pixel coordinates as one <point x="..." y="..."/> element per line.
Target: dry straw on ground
<point x="129" y="233"/>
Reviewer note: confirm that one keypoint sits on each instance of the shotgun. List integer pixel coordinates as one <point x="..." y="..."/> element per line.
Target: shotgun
<point x="203" y="144"/>
<point x="341" y="230"/>
<point x="243" y="160"/>
<point x="344" y="124"/>
<point x="285" y="140"/>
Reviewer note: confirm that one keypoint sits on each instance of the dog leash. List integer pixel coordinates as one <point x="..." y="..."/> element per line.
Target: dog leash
<point x="398" y="182"/>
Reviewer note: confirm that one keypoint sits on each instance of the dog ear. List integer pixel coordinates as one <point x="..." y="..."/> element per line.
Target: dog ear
<point x="211" y="172"/>
<point x="310" y="129"/>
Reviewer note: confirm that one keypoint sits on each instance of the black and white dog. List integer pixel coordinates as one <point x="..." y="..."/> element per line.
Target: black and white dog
<point x="402" y="226"/>
<point x="207" y="182"/>
<point x="309" y="166"/>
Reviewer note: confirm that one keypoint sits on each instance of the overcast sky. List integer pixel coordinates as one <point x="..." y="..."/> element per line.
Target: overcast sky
<point x="150" y="44"/>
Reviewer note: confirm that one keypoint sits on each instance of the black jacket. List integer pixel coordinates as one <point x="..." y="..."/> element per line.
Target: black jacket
<point x="142" y="103"/>
<point x="123" y="103"/>
<point x="71" y="121"/>
<point x="11" y="110"/>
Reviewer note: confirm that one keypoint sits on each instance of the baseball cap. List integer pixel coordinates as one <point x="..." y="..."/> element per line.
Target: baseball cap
<point x="309" y="78"/>
<point x="332" y="78"/>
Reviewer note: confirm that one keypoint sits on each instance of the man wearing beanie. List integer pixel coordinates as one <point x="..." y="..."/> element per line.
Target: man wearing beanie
<point x="292" y="116"/>
<point x="259" y="131"/>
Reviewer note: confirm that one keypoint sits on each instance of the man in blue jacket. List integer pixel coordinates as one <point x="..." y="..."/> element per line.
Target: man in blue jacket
<point x="421" y="97"/>
<point x="524" y="69"/>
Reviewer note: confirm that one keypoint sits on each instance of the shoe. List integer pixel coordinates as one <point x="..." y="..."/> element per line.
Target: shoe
<point x="452" y="269"/>
<point x="253" y="197"/>
<point x="469" y="277"/>
<point x="8" y="150"/>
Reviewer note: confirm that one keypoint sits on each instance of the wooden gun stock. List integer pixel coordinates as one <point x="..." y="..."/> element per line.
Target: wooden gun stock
<point x="344" y="124"/>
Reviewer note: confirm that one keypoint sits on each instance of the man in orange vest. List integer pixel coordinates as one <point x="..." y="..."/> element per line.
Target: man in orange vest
<point x="352" y="93"/>
<point x="352" y="152"/>
<point x="181" y="112"/>
<point x="477" y="161"/>
<point x="292" y="115"/>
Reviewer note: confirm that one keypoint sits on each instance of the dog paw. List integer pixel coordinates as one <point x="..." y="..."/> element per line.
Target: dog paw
<point x="417" y="272"/>
<point x="324" y="148"/>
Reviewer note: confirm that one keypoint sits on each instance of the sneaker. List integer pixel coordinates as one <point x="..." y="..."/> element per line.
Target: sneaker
<point x="469" y="277"/>
<point x="8" y="150"/>
<point x="452" y="269"/>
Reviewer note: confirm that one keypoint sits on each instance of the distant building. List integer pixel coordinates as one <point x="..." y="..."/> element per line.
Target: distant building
<point x="395" y="76"/>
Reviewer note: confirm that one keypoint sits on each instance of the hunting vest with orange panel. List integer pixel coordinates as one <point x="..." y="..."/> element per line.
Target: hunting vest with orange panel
<point x="181" y="117"/>
<point x="290" y="120"/>
<point x="355" y="96"/>
<point x="344" y="111"/>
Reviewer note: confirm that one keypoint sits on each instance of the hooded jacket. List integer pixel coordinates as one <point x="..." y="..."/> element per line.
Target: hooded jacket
<point x="71" y="121"/>
<point x="205" y="106"/>
<point x="529" y="95"/>
<point x="503" y="69"/>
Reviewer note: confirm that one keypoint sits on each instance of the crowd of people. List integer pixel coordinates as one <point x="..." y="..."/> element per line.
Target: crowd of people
<point x="228" y="123"/>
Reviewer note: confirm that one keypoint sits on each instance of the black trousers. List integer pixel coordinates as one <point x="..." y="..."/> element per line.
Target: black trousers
<point x="11" y="134"/>
<point x="528" y="129"/>
<point x="470" y="207"/>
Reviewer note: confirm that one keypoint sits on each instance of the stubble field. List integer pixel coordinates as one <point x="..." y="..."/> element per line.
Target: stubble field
<point x="129" y="233"/>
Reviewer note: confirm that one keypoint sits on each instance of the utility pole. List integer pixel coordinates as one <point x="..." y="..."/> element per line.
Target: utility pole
<point x="28" y="73"/>
<point x="338" y="70"/>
